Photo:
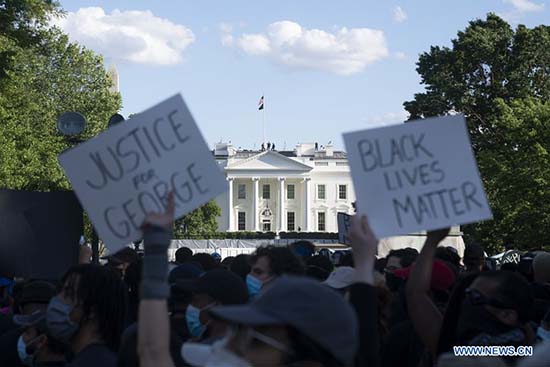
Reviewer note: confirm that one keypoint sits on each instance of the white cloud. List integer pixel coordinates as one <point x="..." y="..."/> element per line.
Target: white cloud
<point x="525" y="6"/>
<point x="130" y="35"/>
<point x="399" y="14"/>
<point x="388" y="118"/>
<point x="400" y="55"/>
<point x="344" y="51"/>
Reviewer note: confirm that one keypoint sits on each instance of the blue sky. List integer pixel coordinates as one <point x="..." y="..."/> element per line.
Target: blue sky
<point x="325" y="67"/>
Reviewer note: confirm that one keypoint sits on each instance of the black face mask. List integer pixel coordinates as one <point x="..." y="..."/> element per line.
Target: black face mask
<point x="392" y="282"/>
<point x="475" y="320"/>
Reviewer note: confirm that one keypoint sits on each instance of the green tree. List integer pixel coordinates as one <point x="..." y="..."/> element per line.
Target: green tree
<point x="41" y="83"/>
<point x="499" y="78"/>
<point x="200" y="223"/>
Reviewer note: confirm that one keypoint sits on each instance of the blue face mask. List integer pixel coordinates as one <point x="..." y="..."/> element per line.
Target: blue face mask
<point x="24" y="356"/>
<point x="254" y="285"/>
<point x="192" y="317"/>
<point x="59" y="321"/>
<point x="543" y="333"/>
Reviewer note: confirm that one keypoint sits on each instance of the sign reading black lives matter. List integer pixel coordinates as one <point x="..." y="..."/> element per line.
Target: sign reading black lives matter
<point x="416" y="176"/>
<point x="127" y="171"/>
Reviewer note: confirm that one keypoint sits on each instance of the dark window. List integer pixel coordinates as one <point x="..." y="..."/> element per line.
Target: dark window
<point x="290" y="222"/>
<point x="290" y="193"/>
<point x="321" y="222"/>
<point x="321" y="192"/>
<point x="342" y="192"/>
<point x="266" y="192"/>
<point x="242" y="221"/>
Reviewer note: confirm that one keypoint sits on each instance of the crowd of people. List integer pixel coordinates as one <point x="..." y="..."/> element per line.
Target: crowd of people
<point x="280" y="306"/>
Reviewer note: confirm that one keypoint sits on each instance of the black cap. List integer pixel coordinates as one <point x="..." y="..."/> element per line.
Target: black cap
<point x="473" y="252"/>
<point x="126" y="255"/>
<point x="37" y="291"/>
<point x="224" y="286"/>
<point x="304" y="304"/>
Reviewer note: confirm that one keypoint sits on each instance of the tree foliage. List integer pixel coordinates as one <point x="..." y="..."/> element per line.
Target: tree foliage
<point x="200" y="223"/>
<point x="499" y="78"/>
<point x="42" y="80"/>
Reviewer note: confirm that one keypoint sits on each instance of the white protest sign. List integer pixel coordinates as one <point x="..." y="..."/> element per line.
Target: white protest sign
<point x="127" y="171"/>
<point x="421" y="175"/>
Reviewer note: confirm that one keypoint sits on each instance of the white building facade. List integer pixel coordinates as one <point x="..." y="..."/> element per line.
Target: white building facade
<point x="284" y="191"/>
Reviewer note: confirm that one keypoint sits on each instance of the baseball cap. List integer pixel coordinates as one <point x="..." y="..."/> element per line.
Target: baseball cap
<point x="222" y="285"/>
<point x="31" y="319"/>
<point x="126" y="255"/>
<point x="37" y="291"/>
<point x="340" y="278"/>
<point x="305" y="305"/>
<point x="442" y="276"/>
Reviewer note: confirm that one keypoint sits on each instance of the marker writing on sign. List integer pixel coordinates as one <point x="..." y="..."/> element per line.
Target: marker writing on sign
<point x="407" y="148"/>
<point x="445" y="202"/>
<point x="186" y="184"/>
<point x="140" y="144"/>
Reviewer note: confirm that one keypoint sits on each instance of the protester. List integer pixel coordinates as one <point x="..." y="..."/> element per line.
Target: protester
<point x="541" y="284"/>
<point x="268" y="263"/>
<point x="241" y="265"/>
<point x="215" y="287"/>
<point x="341" y="278"/>
<point x="474" y="258"/>
<point x="206" y="261"/>
<point x="319" y="267"/>
<point x="122" y="259"/>
<point x="183" y="254"/>
<point x="89" y="314"/>
<point x="36" y="346"/>
<point x="303" y="249"/>
<point x="34" y="296"/>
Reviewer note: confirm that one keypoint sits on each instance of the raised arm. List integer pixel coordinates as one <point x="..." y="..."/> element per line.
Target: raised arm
<point x="363" y="292"/>
<point x="423" y="312"/>
<point x="153" y="324"/>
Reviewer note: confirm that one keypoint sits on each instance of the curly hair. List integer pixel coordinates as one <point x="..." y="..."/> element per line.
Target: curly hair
<point x="281" y="260"/>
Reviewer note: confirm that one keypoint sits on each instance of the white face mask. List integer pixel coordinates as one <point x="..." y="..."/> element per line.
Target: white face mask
<point x="215" y="355"/>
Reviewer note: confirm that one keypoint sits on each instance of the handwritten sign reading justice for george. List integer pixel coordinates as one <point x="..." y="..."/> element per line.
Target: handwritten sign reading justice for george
<point x="417" y="176"/>
<point x="127" y="171"/>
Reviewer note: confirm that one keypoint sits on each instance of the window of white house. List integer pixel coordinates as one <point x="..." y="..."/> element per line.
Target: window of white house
<point x="342" y="192"/>
<point x="290" y="191"/>
<point x="266" y="225"/>
<point x="266" y="192"/>
<point x="290" y="221"/>
<point x="322" y="164"/>
<point x="321" y="192"/>
<point x="242" y="191"/>
<point x="241" y="221"/>
<point x="321" y="227"/>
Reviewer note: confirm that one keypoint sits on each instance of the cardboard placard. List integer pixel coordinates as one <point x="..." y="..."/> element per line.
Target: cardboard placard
<point x="421" y="175"/>
<point x="127" y="171"/>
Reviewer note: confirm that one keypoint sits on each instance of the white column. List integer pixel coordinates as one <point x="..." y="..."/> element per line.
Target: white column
<point x="231" y="226"/>
<point x="306" y="209"/>
<point x="255" y="193"/>
<point x="282" y="226"/>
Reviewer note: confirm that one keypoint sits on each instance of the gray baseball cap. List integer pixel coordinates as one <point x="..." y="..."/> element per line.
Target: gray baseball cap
<point x="306" y="305"/>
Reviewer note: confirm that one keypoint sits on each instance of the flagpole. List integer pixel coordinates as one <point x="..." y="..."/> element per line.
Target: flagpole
<point x="263" y="118"/>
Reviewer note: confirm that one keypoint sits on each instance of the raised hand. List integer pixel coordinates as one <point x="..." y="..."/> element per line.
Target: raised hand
<point x="436" y="236"/>
<point x="164" y="220"/>
<point x="364" y="245"/>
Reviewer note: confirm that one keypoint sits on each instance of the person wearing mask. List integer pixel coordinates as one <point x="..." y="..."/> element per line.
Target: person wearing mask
<point x="269" y="263"/>
<point x="283" y="336"/>
<point x="89" y="314"/>
<point x="33" y="297"/>
<point x="241" y="266"/>
<point x="36" y="347"/>
<point x="215" y="287"/>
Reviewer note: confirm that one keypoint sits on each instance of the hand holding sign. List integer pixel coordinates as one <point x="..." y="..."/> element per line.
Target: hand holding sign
<point x="417" y="176"/>
<point x="164" y="220"/>
<point x="364" y="245"/>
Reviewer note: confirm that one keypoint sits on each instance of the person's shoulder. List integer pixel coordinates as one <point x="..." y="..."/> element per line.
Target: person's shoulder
<point x="94" y="355"/>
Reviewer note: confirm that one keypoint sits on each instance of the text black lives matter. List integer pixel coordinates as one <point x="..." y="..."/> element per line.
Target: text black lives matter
<point x="437" y="200"/>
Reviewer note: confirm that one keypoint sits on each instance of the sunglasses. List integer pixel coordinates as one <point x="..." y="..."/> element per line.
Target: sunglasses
<point x="477" y="298"/>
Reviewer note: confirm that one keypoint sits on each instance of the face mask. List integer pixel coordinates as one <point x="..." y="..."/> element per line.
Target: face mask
<point x="215" y="355"/>
<point x="543" y="334"/>
<point x="23" y="350"/>
<point x="475" y="320"/>
<point x="192" y="317"/>
<point x="254" y="285"/>
<point x="223" y="357"/>
<point x="58" y="320"/>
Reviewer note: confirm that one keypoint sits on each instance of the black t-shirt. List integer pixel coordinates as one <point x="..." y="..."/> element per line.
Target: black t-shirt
<point x="94" y="355"/>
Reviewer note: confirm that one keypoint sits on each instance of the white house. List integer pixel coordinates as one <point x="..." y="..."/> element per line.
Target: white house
<point x="284" y="191"/>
